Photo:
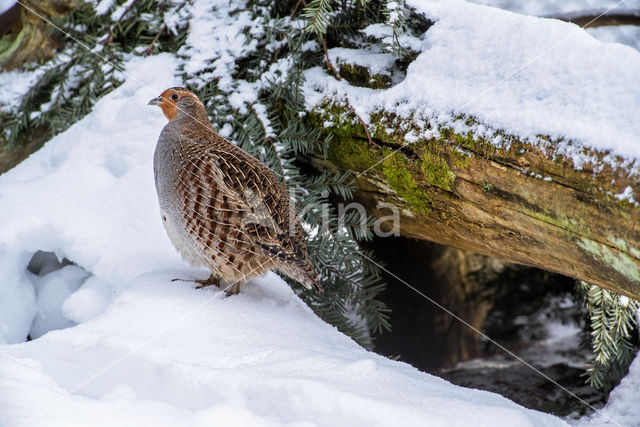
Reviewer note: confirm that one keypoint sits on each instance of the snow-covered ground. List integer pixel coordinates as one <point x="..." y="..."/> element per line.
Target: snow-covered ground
<point x="144" y="350"/>
<point x="625" y="34"/>
<point x="623" y="403"/>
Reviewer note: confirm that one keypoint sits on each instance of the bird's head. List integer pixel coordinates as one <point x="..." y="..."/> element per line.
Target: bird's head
<point x="179" y="100"/>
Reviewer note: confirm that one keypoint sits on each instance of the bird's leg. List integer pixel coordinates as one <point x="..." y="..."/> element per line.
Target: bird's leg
<point x="232" y="289"/>
<point x="212" y="280"/>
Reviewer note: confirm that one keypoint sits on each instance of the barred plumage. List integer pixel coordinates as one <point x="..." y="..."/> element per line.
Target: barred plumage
<point x="221" y="207"/>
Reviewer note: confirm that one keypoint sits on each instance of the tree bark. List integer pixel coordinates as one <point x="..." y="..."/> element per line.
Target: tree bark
<point x="25" y="36"/>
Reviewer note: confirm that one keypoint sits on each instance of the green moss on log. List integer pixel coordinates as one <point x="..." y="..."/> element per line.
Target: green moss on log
<point x="353" y="154"/>
<point x="402" y="182"/>
<point x="360" y="76"/>
<point x="437" y="161"/>
<point x="437" y="172"/>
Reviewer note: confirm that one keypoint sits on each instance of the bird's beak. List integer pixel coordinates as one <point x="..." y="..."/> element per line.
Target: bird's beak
<point x="156" y="101"/>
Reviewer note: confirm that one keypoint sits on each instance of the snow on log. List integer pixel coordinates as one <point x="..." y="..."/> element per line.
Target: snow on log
<point x="512" y="136"/>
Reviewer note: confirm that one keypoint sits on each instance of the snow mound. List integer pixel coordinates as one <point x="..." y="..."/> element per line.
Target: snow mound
<point x="622" y="405"/>
<point x="84" y="254"/>
<point x="625" y="34"/>
<point x="6" y="4"/>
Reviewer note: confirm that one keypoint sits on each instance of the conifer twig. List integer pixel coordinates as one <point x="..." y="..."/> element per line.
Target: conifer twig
<point x="295" y="9"/>
<point x="109" y="39"/>
<point x="326" y="55"/>
<point x="149" y="49"/>
<point x="365" y="126"/>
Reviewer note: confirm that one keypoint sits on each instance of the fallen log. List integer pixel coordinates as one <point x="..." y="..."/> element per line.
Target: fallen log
<point x="522" y="204"/>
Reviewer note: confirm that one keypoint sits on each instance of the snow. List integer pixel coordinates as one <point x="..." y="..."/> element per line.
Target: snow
<point x="14" y="85"/>
<point x="554" y="7"/>
<point x="52" y="290"/>
<point x="625" y="34"/>
<point x="122" y="344"/>
<point x="107" y="159"/>
<point x="90" y="300"/>
<point x="623" y="403"/>
<point x="117" y="14"/>
<point x="377" y="63"/>
<point x="384" y="33"/>
<point x="6" y="4"/>
<point x="103" y="7"/>
<point x="527" y="76"/>
<point x="211" y="25"/>
<point x="627" y="195"/>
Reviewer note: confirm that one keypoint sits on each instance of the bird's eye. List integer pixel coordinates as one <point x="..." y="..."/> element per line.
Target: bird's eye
<point x="175" y="96"/>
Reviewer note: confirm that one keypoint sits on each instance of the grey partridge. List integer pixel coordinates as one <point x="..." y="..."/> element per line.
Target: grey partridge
<point x="221" y="207"/>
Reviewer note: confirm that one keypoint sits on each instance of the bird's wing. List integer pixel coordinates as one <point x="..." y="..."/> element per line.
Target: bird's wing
<point x="237" y="191"/>
<point x="210" y="210"/>
<point x="268" y="216"/>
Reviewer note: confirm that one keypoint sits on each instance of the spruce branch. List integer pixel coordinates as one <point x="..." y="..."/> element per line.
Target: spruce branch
<point x="296" y="7"/>
<point x="317" y="14"/>
<point x="613" y="321"/>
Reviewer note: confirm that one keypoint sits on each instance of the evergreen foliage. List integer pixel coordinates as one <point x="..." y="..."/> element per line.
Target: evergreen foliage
<point x="613" y="328"/>
<point x="395" y="15"/>
<point x="89" y="65"/>
<point x="318" y="16"/>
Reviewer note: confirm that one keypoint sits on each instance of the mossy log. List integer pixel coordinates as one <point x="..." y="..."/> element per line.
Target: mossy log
<point x="522" y="204"/>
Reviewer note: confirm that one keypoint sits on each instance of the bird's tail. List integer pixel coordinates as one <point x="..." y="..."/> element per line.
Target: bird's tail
<point x="304" y="274"/>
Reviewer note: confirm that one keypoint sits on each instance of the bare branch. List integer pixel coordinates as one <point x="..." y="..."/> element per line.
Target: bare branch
<point x="592" y="19"/>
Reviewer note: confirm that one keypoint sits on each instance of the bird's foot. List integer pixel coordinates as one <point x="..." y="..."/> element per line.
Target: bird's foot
<point x="232" y="289"/>
<point x="212" y="280"/>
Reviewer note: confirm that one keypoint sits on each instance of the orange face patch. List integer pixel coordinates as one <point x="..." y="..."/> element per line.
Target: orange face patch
<point x="170" y="97"/>
<point x="168" y="101"/>
<point x="168" y="106"/>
